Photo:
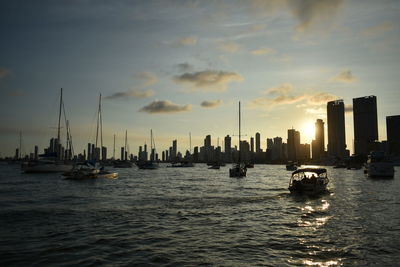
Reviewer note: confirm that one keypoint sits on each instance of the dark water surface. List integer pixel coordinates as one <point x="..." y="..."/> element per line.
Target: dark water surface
<point x="196" y="216"/>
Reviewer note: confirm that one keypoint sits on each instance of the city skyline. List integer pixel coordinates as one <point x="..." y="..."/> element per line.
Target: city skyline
<point x="179" y="67"/>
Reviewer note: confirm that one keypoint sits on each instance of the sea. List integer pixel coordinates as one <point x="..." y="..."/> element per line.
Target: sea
<point x="197" y="217"/>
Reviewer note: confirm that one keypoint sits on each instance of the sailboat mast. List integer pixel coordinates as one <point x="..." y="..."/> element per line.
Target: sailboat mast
<point x="114" y="148"/>
<point x="190" y="142"/>
<point x="20" y="145"/>
<point x="101" y="125"/>
<point x="59" y="118"/>
<point x="239" y="133"/>
<point x="126" y="140"/>
<point x="97" y="126"/>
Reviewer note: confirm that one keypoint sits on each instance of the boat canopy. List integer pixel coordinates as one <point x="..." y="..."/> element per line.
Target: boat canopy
<point x="314" y="170"/>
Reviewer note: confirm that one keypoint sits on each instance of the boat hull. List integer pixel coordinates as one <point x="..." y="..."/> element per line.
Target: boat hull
<point x="380" y="169"/>
<point x="47" y="168"/>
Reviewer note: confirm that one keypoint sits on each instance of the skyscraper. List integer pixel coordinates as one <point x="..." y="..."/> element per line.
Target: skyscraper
<point x="207" y="141"/>
<point x="393" y="134"/>
<point x="252" y="144"/>
<point x="365" y="124"/>
<point x="293" y="144"/>
<point x="228" y="149"/>
<point x="318" y="145"/>
<point x="258" y="143"/>
<point x="336" y="129"/>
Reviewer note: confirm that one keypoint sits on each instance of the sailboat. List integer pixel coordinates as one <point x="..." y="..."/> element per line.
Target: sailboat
<point x="52" y="160"/>
<point x="123" y="162"/>
<point x="93" y="169"/>
<point x="238" y="169"/>
<point x="152" y="163"/>
<point x="187" y="161"/>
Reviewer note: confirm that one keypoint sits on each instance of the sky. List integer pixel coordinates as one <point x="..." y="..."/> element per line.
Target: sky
<point x="181" y="67"/>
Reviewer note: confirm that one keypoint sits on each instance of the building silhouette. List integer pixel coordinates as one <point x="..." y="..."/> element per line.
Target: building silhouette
<point x="228" y="148"/>
<point x="293" y="145"/>
<point x="393" y="134"/>
<point x="336" y="129"/>
<point x="318" y="145"/>
<point x="258" y="143"/>
<point x="365" y="124"/>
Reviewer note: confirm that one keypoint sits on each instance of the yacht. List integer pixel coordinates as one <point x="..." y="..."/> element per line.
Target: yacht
<point x="379" y="166"/>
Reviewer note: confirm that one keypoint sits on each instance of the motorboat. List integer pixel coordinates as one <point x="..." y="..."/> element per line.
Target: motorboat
<point x="238" y="170"/>
<point x="309" y="181"/>
<point x="379" y="166"/>
<point x="291" y="166"/>
<point x="83" y="170"/>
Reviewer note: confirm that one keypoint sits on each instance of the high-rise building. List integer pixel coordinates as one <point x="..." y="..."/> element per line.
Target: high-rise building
<point x="174" y="150"/>
<point x="365" y="124"/>
<point x="207" y="141"/>
<point x="276" y="148"/>
<point x="293" y="145"/>
<point x="270" y="143"/>
<point x="336" y="129"/>
<point x="318" y="145"/>
<point x="228" y="148"/>
<point x="258" y="143"/>
<point x="252" y="144"/>
<point x="393" y="134"/>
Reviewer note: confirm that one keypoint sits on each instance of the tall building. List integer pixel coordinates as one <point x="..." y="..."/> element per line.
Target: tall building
<point x="207" y="141"/>
<point x="174" y="150"/>
<point x="336" y="129"/>
<point x="318" y="145"/>
<point x="252" y="144"/>
<point x="258" y="143"/>
<point x="228" y="148"/>
<point x="365" y="124"/>
<point x="393" y="134"/>
<point x="293" y="145"/>
<point x="277" y="153"/>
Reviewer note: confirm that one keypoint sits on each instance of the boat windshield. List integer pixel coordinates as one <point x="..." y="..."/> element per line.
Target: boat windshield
<point x="299" y="175"/>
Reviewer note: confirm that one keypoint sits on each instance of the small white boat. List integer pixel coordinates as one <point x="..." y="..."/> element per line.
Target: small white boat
<point x="309" y="181"/>
<point x="378" y="166"/>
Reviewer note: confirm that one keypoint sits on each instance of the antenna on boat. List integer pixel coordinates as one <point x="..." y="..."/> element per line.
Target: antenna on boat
<point x="59" y="118"/>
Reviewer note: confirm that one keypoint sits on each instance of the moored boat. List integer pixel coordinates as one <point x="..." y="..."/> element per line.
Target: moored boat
<point x="379" y="166"/>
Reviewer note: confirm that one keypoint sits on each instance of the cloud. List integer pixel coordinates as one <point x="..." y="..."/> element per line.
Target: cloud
<point x="134" y="93"/>
<point x="211" y="103"/>
<point x="185" y="41"/>
<point x="377" y="30"/>
<point x="184" y="67"/>
<point x="208" y="80"/>
<point x="165" y="106"/>
<point x="4" y="73"/>
<point x="285" y="95"/>
<point x="229" y="47"/>
<point x="147" y="78"/>
<point x="345" y="77"/>
<point x="309" y="13"/>
<point x="263" y="51"/>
